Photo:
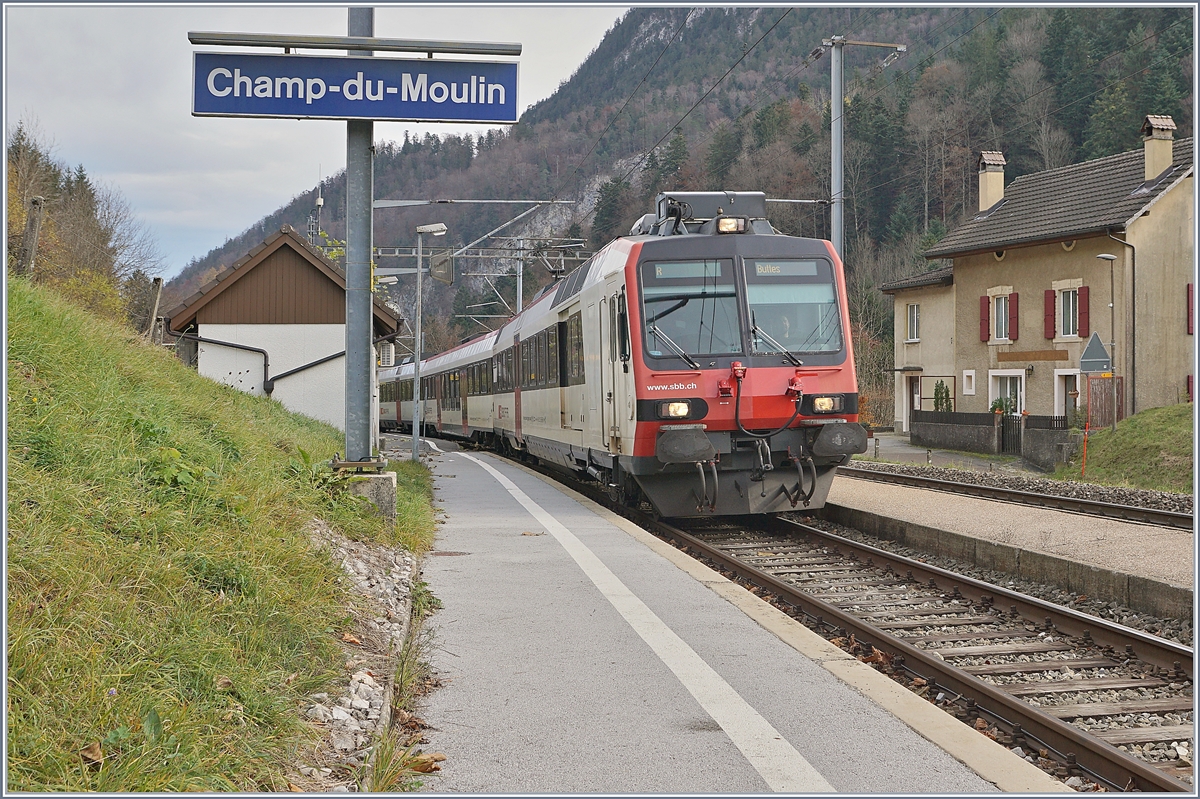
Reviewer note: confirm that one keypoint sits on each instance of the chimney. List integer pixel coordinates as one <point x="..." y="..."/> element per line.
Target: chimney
<point x="991" y="179"/>
<point x="1157" y="135"/>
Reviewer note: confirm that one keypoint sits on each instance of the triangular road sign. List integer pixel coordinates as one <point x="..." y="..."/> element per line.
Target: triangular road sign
<point x="1095" y="357"/>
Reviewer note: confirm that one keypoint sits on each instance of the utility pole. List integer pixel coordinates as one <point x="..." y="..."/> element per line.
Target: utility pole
<point x="360" y="189"/>
<point x="837" y="97"/>
<point x="33" y="227"/>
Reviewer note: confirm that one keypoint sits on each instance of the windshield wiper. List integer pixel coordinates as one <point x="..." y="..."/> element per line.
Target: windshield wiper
<point x="690" y="360"/>
<point x="756" y="330"/>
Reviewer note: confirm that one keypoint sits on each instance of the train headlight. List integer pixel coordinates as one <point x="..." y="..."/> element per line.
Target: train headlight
<point x="731" y="224"/>
<point x="678" y="409"/>
<point x="827" y="404"/>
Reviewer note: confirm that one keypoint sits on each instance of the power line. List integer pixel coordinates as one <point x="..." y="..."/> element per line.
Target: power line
<point x="636" y="89"/>
<point x="706" y="94"/>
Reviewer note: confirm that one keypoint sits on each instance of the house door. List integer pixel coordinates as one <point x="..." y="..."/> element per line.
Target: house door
<point x="914" y="397"/>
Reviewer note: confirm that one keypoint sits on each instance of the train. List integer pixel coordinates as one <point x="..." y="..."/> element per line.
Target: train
<point x="703" y="364"/>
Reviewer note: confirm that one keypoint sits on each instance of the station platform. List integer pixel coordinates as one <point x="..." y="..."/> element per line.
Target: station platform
<point x="896" y="448"/>
<point x="578" y="653"/>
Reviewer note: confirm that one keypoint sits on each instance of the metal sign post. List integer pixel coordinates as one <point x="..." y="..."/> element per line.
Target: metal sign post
<point x="359" y="90"/>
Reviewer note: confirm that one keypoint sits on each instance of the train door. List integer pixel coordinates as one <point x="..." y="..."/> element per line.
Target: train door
<point x="592" y="370"/>
<point x="616" y="365"/>
<point x="604" y="375"/>
<point x="464" y="391"/>
<point x="571" y="370"/>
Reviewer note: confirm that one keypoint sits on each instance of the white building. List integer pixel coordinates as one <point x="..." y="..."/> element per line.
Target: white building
<point x="275" y="324"/>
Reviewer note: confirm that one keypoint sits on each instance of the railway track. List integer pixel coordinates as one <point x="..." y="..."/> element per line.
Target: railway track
<point x="1129" y="513"/>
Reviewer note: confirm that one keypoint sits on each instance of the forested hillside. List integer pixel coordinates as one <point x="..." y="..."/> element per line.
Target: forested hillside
<point x="738" y="98"/>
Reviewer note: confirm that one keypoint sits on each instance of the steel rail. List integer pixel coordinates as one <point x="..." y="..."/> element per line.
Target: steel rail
<point x="1105" y="761"/>
<point x="1128" y="513"/>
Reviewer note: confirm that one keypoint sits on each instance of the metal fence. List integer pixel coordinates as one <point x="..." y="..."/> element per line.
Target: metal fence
<point x="1046" y="423"/>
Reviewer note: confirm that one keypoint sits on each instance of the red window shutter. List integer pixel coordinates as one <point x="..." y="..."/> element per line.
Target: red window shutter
<point x="985" y="318"/>
<point x="1191" y="311"/>
<point x="1012" y="317"/>
<point x="1084" y="329"/>
<point x="1051" y="297"/>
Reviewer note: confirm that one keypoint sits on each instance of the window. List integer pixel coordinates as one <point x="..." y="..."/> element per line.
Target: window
<point x="575" y="349"/>
<point x="793" y="302"/>
<point x="1001" y="316"/>
<point x="690" y="306"/>
<point x="914" y="323"/>
<point x="1008" y="390"/>
<point x="1069" y="315"/>
<point x="969" y="382"/>
<point x="552" y="356"/>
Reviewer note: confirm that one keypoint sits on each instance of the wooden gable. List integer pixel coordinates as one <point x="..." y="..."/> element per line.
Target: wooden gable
<point x="283" y="281"/>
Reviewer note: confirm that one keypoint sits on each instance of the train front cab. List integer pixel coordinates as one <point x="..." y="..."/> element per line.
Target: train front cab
<point x="727" y="422"/>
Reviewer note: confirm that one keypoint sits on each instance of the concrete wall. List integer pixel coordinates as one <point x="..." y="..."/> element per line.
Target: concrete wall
<point x="1043" y="448"/>
<point x="319" y="392"/>
<point x="1166" y="247"/>
<point x="933" y="351"/>
<point x="960" y="437"/>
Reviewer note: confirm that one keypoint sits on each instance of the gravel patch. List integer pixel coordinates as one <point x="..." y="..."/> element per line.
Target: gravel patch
<point x="349" y="721"/>
<point x="1140" y="498"/>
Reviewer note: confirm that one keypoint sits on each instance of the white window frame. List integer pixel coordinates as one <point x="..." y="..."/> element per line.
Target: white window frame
<point x="968" y="386"/>
<point x="994" y="376"/>
<point x="994" y="293"/>
<point x="1000" y="317"/>
<point x="914" y="323"/>
<point x="1060" y="397"/>
<point x="1061" y="288"/>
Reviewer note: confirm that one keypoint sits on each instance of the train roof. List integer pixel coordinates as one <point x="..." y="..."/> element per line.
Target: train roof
<point x="469" y="352"/>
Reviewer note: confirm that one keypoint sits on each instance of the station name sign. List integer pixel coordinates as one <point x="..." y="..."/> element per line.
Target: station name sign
<point x="345" y="87"/>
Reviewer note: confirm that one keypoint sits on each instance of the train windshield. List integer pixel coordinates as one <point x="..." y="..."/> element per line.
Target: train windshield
<point x="690" y="308"/>
<point x="793" y="302"/>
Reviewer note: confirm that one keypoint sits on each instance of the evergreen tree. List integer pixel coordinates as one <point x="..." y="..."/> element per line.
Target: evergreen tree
<point x="674" y="158"/>
<point x="723" y="152"/>
<point x="1160" y="93"/>
<point x="771" y="123"/>
<point x="1110" y="128"/>
<point x="1077" y="81"/>
<point x="610" y="210"/>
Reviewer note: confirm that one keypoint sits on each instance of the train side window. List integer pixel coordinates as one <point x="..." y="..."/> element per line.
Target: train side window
<point x="543" y="357"/>
<point x="575" y="369"/>
<point x="623" y="329"/>
<point x="552" y="356"/>
<point x="612" y="328"/>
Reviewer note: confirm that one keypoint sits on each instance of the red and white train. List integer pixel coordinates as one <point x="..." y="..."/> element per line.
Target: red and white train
<point x="702" y="363"/>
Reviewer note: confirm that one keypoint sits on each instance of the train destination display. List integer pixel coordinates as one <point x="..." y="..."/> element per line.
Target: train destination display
<point x="344" y="87"/>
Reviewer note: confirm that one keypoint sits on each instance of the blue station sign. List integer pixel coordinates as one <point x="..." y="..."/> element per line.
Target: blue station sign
<point x="344" y="87"/>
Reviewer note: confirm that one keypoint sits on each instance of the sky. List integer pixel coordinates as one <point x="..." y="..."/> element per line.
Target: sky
<point x="110" y="88"/>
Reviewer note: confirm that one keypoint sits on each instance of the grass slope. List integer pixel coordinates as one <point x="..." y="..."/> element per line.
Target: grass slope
<point x="163" y="597"/>
<point x="1151" y="449"/>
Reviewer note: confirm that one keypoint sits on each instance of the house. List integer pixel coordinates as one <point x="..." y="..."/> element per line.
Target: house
<point x="275" y="324"/>
<point x="1032" y="276"/>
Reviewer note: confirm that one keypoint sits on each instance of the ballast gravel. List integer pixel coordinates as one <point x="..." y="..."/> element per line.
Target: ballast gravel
<point x="1136" y="497"/>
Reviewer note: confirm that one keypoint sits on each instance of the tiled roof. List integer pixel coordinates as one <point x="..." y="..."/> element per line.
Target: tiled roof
<point x="1074" y="200"/>
<point x="934" y="277"/>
